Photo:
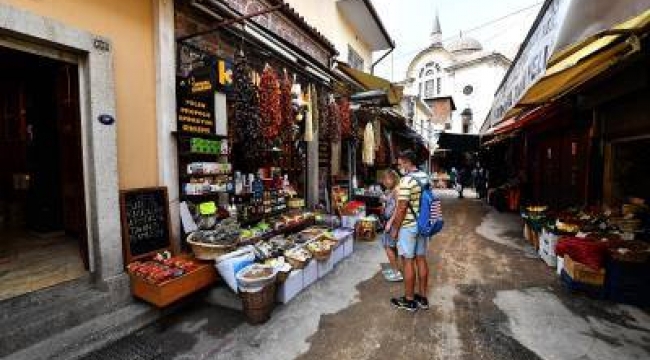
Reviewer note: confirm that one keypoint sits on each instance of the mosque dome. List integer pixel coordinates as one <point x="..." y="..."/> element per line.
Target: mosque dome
<point x="464" y="44"/>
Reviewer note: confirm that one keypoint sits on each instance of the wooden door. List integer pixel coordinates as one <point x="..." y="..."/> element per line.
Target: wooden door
<point x="72" y="180"/>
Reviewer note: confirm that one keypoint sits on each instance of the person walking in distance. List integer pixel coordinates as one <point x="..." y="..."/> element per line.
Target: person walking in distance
<point x="411" y="246"/>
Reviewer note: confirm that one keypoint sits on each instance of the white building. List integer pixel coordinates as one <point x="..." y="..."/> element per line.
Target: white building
<point x="457" y="80"/>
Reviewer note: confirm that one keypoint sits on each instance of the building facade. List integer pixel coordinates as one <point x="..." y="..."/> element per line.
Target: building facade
<point x="456" y="79"/>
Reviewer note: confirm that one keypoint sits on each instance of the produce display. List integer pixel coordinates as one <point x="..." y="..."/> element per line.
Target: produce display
<point x="157" y="272"/>
<point x="226" y="232"/>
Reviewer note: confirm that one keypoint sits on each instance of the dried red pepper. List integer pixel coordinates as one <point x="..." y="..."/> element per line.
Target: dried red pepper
<point x="270" y="110"/>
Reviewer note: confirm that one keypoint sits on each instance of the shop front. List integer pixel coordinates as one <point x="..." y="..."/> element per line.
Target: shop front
<point x="259" y="119"/>
<point x="586" y="210"/>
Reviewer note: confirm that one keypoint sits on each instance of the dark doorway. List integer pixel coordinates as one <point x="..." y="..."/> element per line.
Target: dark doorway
<point x="43" y="237"/>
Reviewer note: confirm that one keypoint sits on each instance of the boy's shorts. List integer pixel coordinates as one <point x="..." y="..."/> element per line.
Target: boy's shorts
<point x="410" y="244"/>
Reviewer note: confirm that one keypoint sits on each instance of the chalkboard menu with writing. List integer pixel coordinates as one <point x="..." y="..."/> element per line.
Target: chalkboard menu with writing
<point x="145" y="221"/>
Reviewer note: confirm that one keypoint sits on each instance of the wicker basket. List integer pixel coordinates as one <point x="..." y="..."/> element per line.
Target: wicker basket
<point x="296" y="264"/>
<point x="203" y="251"/>
<point x="322" y="255"/>
<point x="259" y="305"/>
<point x="282" y="276"/>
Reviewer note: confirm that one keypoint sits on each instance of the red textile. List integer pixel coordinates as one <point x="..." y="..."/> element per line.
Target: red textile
<point x="591" y="253"/>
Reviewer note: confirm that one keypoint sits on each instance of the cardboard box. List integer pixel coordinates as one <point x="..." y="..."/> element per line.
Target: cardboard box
<point x="291" y="287"/>
<point x="324" y="267"/>
<point x="310" y="273"/>
<point x="338" y="254"/>
<point x="348" y="246"/>
<point x="582" y="273"/>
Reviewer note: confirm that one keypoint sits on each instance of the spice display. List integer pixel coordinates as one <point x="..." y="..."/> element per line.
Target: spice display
<point x="345" y="117"/>
<point x="157" y="272"/>
<point x="269" y="98"/>
<point x="246" y="121"/>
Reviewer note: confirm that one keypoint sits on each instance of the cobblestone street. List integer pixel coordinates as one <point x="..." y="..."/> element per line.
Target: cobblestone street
<point x="492" y="298"/>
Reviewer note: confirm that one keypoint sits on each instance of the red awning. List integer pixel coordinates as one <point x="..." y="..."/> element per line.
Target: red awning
<point x="524" y="119"/>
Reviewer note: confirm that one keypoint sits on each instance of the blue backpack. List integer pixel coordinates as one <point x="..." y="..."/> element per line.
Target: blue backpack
<point x="429" y="220"/>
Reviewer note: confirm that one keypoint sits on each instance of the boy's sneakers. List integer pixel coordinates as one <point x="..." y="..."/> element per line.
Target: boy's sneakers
<point x="421" y="301"/>
<point x="393" y="275"/>
<point x="404" y="304"/>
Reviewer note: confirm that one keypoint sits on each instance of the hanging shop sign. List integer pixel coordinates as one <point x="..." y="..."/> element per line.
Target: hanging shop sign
<point x="282" y="27"/>
<point x="530" y="65"/>
<point x="145" y="221"/>
<point x="195" y="101"/>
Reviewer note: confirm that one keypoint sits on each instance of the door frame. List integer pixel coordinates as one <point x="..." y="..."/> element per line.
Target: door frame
<point x="28" y="32"/>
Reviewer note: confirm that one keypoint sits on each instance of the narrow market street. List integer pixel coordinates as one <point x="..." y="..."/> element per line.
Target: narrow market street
<point x="492" y="298"/>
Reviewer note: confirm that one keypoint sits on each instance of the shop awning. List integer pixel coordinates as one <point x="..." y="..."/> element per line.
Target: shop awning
<point x="370" y="82"/>
<point x="581" y="62"/>
<point x="567" y="46"/>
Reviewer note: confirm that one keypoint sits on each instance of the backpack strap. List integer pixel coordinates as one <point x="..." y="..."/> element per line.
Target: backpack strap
<point x="422" y="187"/>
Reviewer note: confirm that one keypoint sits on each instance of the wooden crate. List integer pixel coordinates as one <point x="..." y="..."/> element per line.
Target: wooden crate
<point x="170" y="291"/>
<point x="582" y="273"/>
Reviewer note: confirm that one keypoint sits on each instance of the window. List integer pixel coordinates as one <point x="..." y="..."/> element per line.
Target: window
<point x="439" y="86"/>
<point x="448" y="126"/>
<point x="429" y="73"/>
<point x="420" y="90"/>
<point x="429" y="88"/>
<point x="465" y="128"/>
<point x="468" y="90"/>
<point x="422" y="72"/>
<point x="354" y="59"/>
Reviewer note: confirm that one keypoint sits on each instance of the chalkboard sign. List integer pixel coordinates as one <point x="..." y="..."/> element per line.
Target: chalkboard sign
<point x="145" y="222"/>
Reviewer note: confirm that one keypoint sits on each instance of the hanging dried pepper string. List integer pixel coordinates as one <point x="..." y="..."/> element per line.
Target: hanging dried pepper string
<point x="287" y="111"/>
<point x="345" y="118"/>
<point x="270" y="110"/>
<point x="334" y="121"/>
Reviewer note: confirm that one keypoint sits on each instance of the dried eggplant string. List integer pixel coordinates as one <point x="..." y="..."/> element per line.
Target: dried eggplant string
<point x="246" y="120"/>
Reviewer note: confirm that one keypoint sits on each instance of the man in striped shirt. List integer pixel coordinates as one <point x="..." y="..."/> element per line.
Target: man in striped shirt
<point x="410" y="245"/>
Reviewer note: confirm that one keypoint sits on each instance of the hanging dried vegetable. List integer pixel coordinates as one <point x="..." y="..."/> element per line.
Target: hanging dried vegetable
<point x="314" y="109"/>
<point x="334" y="121"/>
<point x="246" y="122"/>
<point x="345" y="118"/>
<point x="325" y="127"/>
<point x="270" y="109"/>
<point x="286" y="107"/>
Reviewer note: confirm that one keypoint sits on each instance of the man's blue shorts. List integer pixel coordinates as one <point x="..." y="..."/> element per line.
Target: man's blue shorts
<point x="410" y="244"/>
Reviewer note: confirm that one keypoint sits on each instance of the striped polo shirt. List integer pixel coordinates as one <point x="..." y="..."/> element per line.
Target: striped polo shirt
<point x="409" y="190"/>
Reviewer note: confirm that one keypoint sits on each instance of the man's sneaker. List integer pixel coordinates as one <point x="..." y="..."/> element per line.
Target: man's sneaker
<point x="404" y="304"/>
<point x="421" y="301"/>
<point x="393" y="276"/>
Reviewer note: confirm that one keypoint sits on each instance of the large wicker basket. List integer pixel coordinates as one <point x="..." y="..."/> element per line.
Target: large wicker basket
<point x="203" y="251"/>
<point x="259" y="305"/>
<point x="296" y="264"/>
<point x="322" y="255"/>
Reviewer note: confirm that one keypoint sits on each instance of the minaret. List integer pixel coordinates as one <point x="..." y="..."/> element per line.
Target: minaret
<point x="436" y="33"/>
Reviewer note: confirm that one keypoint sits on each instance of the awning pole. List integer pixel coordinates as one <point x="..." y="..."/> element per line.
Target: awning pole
<point x="230" y="21"/>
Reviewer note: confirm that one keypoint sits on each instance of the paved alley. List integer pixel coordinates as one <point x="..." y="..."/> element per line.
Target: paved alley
<point x="492" y="298"/>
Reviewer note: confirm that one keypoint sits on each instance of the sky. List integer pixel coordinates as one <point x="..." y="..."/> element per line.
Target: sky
<point x="409" y="23"/>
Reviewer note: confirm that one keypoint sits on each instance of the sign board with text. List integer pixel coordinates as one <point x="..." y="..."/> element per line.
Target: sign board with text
<point x="145" y="222"/>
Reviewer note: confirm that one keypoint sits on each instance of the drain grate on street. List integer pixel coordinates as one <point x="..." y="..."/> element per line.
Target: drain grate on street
<point x="129" y="348"/>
